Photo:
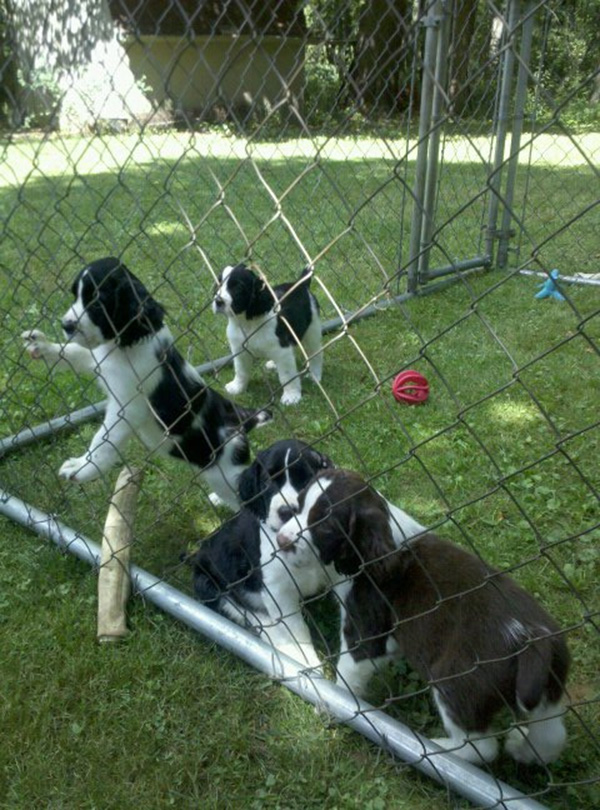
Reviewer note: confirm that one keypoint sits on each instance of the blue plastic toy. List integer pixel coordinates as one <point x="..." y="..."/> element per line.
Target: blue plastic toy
<point x="549" y="288"/>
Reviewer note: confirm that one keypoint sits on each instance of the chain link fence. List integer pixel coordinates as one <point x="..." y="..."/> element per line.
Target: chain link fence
<point x="432" y="162"/>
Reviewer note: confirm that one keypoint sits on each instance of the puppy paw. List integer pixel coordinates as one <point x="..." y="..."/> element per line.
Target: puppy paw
<point x="35" y="343"/>
<point x="311" y="661"/>
<point x="445" y="742"/>
<point x="235" y="387"/>
<point x="270" y="365"/>
<point x="304" y="655"/>
<point x="518" y="747"/>
<point x="79" y="470"/>
<point x="538" y="745"/>
<point x="471" y="750"/>
<point x="291" y="397"/>
<point x="357" y="690"/>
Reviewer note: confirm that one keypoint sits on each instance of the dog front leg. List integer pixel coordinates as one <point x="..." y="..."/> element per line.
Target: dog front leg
<point x="289" y="378"/>
<point x="242" y="365"/>
<point x="351" y="674"/>
<point x="311" y="345"/>
<point x="58" y="356"/>
<point x="222" y="478"/>
<point x="103" y="453"/>
<point x="290" y="635"/>
<point x="288" y="631"/>
<point x="359" y="660"/>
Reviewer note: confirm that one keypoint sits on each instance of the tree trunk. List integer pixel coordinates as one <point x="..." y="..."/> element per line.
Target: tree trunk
<point x="73" y="72"/>
<point x="595" y="97"/>
<point x="377" y="72"/>
<point x="463" y="30"/>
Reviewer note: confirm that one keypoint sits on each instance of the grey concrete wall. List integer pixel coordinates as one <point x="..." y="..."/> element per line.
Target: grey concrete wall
<point x="233" y="71"/>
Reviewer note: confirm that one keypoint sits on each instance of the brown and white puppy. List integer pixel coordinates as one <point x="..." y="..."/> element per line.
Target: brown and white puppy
<point x="476" y="636"/>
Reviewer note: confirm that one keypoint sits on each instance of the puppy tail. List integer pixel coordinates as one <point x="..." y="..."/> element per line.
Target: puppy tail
<point x="250" y="419"/>
<point x="307" y="274"/>
<point x="542" y="672"/>
<point x="236" y="416"/>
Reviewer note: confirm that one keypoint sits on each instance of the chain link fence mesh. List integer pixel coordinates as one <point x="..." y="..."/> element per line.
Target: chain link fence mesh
<point x="399" y="149"/>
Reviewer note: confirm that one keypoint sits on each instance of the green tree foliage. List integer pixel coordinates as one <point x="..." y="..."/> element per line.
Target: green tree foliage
<point x="568" y="47"/>
<point x="572" y="49"/>
<point x="366" y="44"/>
<point x="8" y="73"/>
<point x="362" y="61"/>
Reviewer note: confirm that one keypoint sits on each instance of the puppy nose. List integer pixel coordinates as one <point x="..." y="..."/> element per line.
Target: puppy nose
<point x="284" y="541"/>
<point x="219" y="302"/>
<point x="69" y="327"/>
<point x="285" y="513"/>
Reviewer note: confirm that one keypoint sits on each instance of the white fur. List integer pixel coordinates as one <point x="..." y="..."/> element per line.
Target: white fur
<point x="285" y="499"/>
<point x="541" y="739"/>
<point x="471" y="747"/>
<point x="284" y="589"/>
<point x="403" y="526"/>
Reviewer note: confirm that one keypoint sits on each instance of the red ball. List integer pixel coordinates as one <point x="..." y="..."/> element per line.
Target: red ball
<point x="410" y="387"/>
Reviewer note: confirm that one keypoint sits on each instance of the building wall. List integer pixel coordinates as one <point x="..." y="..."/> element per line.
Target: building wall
<point x="231" y="71"/>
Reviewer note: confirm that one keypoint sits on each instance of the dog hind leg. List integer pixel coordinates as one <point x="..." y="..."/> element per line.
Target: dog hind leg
<point x="103" y="453"/>
<point x="311" y="344"/>
<point x="542" y="739"/>
<point x="471" y="746"/>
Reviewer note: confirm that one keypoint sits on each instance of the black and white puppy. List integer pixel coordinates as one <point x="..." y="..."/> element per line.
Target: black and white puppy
<point x="269" y="322"/>
<point x="233" y="570"/>
<point x="238" y="570"/>
<point x="115" y="331"/>
<point x="476" y="636"/>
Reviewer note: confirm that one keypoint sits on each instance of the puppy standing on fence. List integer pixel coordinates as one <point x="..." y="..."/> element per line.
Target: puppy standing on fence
<point x="481" y="641"/>
<point x="115" y="331"/>
<point x="269" y="322"/>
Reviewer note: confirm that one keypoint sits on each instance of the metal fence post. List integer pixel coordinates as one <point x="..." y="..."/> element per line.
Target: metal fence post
<point x="432" y="24"/>
<point x="501" y="124"/>
<point x="433" y="155"/>
<point x="515" y="141"/>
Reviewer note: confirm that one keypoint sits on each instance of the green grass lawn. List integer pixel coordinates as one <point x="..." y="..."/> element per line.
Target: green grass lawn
<point x="503" y="459"/>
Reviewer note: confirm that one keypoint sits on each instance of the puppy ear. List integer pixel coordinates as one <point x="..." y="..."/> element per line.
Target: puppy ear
<point x="148" y="311"/>
<point x="334" y="538"/>
<point x="376" y="543"/>
<point x="136" y="313"/>
<point x="261" y="300"/>
<point x="250" y="487"/>
<point x="348" y="561"/>
<point x="356" y="539"/>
